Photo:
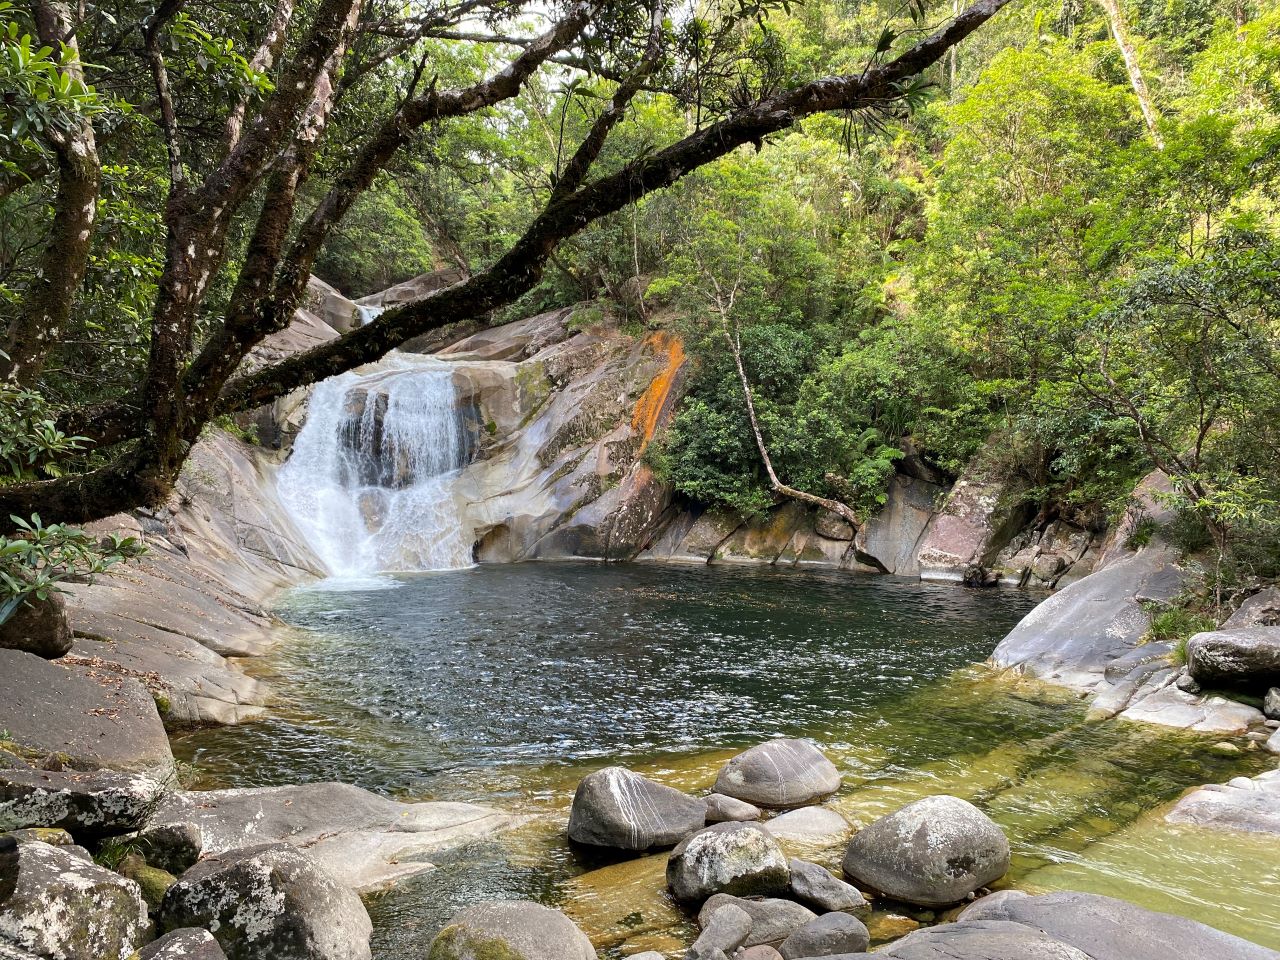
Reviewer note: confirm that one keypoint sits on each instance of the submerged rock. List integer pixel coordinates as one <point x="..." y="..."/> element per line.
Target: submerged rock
<point x="93" y="804"/>
<point x="1240" y="657"/>
<point x="809" y="825"/>
<point x="58" y="904"/>
<point x="779" y="774"/>
<point x="772" y="920"/>
<point x="620" y="809"/>
<point x="931" y="853"/>
<point x="270" y="902"/>
<point x="511" y="930"/>
<point x="735" y="858"/>
<point x="185" y="944"/>
<point x="827" y="936"/>
<point x="816" y="886"/>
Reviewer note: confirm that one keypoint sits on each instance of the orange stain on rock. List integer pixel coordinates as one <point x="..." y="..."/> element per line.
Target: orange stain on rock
<point x="648" y="412"/>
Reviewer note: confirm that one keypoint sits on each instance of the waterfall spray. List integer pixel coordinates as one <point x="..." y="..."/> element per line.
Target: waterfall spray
<point x="370" y="480"/>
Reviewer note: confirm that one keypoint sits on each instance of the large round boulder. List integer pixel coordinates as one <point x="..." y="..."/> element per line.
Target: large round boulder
<point x="779" y="774"/>
<point x="38" y="626"/>
<point x="56" y="903"/>
<point x="269" y="902"/>
<point x="618" y="808"/>
<point x="734" y="858"/>
<point x="931" y="853"/>
<point x="511" y="930"/>
<point x="1245" y="657"/>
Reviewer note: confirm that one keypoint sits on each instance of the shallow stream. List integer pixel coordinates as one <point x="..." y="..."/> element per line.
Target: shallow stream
<point x="505" y="684"/>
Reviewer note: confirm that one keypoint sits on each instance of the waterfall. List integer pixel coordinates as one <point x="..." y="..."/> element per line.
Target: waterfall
<point x="370" y="480"/>
<point x="368" y="314"/>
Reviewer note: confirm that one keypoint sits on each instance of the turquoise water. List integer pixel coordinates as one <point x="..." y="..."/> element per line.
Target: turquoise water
<point x="505" y="684"/>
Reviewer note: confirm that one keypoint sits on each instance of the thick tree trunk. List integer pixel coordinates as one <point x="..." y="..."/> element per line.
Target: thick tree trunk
<point x="1120" y="32"/>
<point x="48" y="302"/>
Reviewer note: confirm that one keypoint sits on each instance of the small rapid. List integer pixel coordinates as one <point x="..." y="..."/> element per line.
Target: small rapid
<point x="370" y="482"/>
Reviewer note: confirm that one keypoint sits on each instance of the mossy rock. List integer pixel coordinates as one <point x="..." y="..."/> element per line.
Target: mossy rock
<point x="459" y="943"/>
<point x="511" y="930"/>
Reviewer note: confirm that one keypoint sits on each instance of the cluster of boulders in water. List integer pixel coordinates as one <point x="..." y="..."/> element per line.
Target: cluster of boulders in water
<point x="163" y="900"/>
<point x="752" y="901"/>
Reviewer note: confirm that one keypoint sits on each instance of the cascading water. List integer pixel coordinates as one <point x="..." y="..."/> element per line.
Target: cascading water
<point x="370" y="481"/>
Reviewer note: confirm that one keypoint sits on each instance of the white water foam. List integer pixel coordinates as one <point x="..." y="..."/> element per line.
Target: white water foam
<point x="370" y="482"/>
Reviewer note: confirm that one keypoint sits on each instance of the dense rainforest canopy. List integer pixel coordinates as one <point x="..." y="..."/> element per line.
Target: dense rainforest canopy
<point x="1035" y="238"/>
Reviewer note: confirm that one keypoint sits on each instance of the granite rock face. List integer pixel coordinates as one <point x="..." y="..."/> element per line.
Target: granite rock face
<point x="88" y="717"/>
<point x="39" y="627"/>
<point x="1243" y="657"/>
<point x="187" y="943"/>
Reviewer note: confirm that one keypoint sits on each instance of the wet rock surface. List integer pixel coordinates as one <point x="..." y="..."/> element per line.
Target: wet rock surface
<point x="818" y="887"/>
<point x="829" y="935"/>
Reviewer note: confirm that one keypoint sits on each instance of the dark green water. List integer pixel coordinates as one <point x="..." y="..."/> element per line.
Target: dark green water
<point x="505" y="684"/>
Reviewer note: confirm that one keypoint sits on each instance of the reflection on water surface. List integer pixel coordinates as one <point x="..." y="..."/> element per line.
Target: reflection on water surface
<point x="507" y="683"/>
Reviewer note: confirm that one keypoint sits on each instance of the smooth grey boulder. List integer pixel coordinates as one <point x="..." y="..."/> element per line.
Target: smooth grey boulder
<point x="511" y="930"/>
<point x="39" y="627"/>
<point x="811" y="825"/>
<point x="827" y="936"/>
<point x="188" y="943"/>
<point x="90" y="804"/>
<point x="62" y="906"/>
<point x="758" y="952"/>
<point x="1243" y="657"/>
<point x="983" y="940"/>
<point x="618" y="808"/>
<point x="735" y="858"/>
<point x="779" y="774"/>
<point x="726" y="930"/>
<point x="269" y="902"/>
<point x="931" y="853"/>
<point x="1102" y="928"/>
<point x="725" y="809"/>
<point x="772" y="919"/>
<point x="91" y="719"/>
<point x="817" y="887"/>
